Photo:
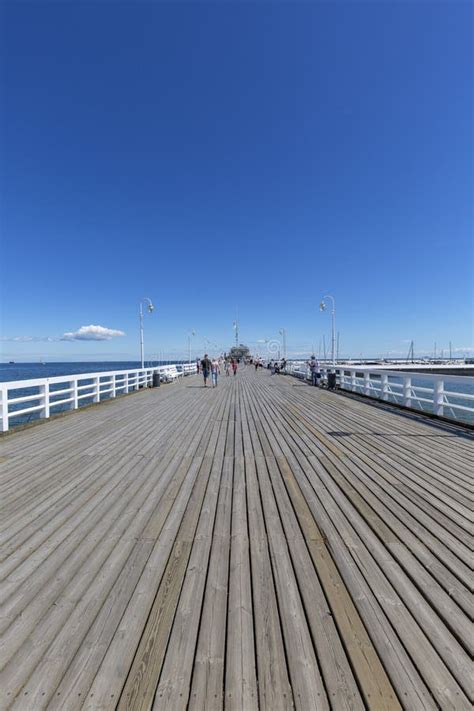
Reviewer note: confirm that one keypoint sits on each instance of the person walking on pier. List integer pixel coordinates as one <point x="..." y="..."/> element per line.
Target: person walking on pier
<point x="234" y="366"/>
<point x="314" y="370"/>
<point x="206" y="368"/>
<point x="215" y="371"/>
<point x="227" y="367"/>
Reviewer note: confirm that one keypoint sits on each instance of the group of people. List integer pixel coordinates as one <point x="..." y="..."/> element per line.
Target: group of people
<point x="277" y="366"/>
<point x="213" y="368"/>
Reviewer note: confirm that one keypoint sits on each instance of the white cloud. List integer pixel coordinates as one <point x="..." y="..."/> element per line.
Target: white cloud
<point x="27" y="339"/>
<point x="92" y="333"/>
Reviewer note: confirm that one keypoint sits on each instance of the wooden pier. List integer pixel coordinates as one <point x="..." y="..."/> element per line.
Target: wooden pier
<point x="262" y="545"/>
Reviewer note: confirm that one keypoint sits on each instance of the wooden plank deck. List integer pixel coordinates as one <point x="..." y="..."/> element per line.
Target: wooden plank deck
<point x="263" y="545"/>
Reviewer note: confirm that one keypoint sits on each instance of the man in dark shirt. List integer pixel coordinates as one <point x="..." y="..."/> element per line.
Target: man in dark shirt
<point x="206" y="368"/>
<point x="314" y="370"/>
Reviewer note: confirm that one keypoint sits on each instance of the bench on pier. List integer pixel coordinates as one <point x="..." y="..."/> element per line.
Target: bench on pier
<point x="188" y="368"/>
<point x="169" y="374"/>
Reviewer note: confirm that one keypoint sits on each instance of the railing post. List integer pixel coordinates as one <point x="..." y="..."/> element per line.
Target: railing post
<point x="384" y="386"/>
<point x="125" y="382"/>
<point x="407" y="392"/>
<point x="113" y="386"/>
<point x="353" y="381"/>
<point x="96" y="397"/>
<point x="366" y="383"/>
<point x="44" y="396"/>
<point x="75" y="397"/>
<point x="4" y="408"/>
<point x="438" y="392"/>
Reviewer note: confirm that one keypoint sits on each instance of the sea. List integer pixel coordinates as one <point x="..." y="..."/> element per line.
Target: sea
<point x="25" y="371"/>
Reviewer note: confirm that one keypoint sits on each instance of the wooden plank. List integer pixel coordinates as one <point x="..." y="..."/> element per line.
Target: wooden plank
<point x="305" y="675"/>
<point x="274" y="686"/>
<point x="79" y="676"/>
<point x="449" y="688"/>
<point x="240" y="679"/>
<point x="340" y="684"/>
<point x="140" y="687"/>
<point x="427" y="598"/>
<point x="114" y="668"/>
<point x="149" y="466"/>
<point x="207" y="689"/>
<point x="373" y="681"/>
<point x="402" y="673"/>
<point x="83" y="563"/>
<point x="175" y="679"/>
<point x="440" y="500"/>
<point x="412" y="492"/>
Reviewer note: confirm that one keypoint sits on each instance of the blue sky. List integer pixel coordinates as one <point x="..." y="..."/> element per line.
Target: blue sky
<point x="215" y="155"/>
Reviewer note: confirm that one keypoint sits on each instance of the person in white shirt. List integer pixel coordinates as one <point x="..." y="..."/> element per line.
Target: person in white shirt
<point x="215" y="371"/>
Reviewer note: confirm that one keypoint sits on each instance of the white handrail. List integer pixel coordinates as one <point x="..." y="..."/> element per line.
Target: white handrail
<point x="102" y="383"/>
<point x="380" y="383"/>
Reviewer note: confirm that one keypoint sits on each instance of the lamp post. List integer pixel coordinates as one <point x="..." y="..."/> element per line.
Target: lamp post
<point x="191" y="333"/>
<point x="150" y="309"/>
<point x="282" y="333"/>
<point x="323" y="307"/>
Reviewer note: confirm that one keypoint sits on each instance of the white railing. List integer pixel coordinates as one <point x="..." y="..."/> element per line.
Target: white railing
<point x="187" y="368"/>
<point x="447" y="395"/>
<point x="41" y="397"/>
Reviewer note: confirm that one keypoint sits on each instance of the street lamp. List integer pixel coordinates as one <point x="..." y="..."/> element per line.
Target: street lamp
<point x="191" y="333"/>
<point x="323" y="307"/>
<point x="150" y="309"/>
<point x="282" y="332"/>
